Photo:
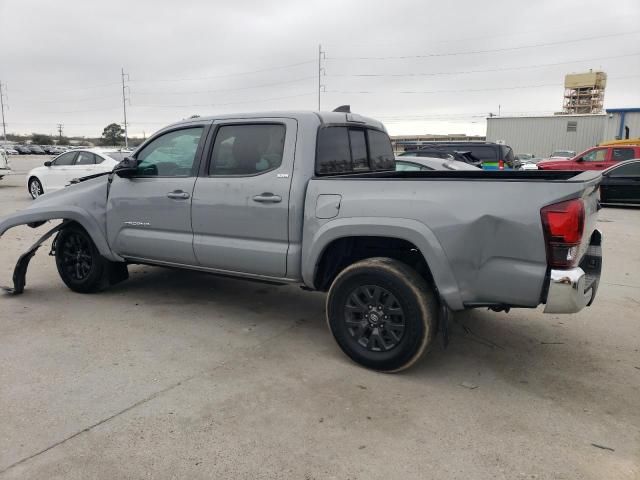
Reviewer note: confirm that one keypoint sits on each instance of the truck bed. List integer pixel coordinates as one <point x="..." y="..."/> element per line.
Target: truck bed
<point x="480" y="232"/>
<point x="502" y="176"/>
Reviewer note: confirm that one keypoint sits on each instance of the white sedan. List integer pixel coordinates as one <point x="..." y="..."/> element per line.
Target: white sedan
<point x="57" y="173"/>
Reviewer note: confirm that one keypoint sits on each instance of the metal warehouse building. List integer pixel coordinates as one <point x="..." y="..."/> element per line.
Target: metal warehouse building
<point x="542" y="135"/>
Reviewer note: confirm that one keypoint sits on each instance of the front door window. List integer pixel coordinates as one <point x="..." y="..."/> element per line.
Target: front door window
<point x="170" y="155"/>
<point x="598" y="155"/>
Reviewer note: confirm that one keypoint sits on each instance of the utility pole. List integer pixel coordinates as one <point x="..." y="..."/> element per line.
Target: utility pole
<point x="59" y="133"/>
<point x="124" y="108"/>
<point x="321" y="56"/>
<point x="4" y="125"/>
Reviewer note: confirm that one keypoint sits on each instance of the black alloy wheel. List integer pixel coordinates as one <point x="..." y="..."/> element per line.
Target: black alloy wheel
<point x="79" y="263"/>
<point x="374" y="318"/>
<point x="382" y="313"/>
<point x="76" y="256"/>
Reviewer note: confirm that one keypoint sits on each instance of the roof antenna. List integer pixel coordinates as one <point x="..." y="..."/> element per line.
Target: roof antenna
<point x="343" y="109"/>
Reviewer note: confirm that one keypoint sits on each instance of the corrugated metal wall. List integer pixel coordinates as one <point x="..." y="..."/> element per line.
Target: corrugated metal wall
<point x="543" y="135"/>
<point x="631" y="120"/>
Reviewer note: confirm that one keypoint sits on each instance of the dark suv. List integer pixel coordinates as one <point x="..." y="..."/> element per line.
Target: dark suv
<point x="488" y="154"/>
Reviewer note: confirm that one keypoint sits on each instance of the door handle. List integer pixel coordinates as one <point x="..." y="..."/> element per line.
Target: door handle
<point x="267" y="197"/>
<point x="178" y="195"/>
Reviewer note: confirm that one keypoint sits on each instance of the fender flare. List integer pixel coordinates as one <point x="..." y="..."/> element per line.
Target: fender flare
<point x="72" y="213"/>
<point x="402" y="228"/>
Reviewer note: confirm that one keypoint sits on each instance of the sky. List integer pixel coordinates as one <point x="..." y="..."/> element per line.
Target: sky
<point x="418" y="66"/>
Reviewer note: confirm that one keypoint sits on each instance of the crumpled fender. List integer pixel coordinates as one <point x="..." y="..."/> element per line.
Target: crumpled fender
<point x="20" y="270"/>
<point x="84" y="203"/>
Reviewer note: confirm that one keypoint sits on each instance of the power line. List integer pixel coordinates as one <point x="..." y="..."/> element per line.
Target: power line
<point x="230" y="103"/>
<point x="264" y="85"/>
<point x="79" y="100"/>
<point x="502" y="69"/>
<point x="70" y="89"/>
<point x="227" y="75"/>
<point x="462" y="90"/>
<point x="493" y="50"/>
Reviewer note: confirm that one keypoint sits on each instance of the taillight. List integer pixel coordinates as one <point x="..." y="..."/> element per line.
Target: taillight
<point x="563" y="225"/>
<point x="500" y="164"/>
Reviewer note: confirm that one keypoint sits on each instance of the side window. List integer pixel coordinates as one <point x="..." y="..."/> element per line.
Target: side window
<point x="247" y="149"/>
<point x="65" y="159"/>
<point x="358" y="150"/>
<point x="409" y="167"/>
<point x="631" y="170"/>
<point x="333" y="154"/>
<point x="508" y="155"/>
<point x="344" y="150"/>
<point x="380" y="151"/>
<point x="85" y="158"/>
<point x="170" y="155"/>
<point x="620" y="154"/>
<point x="595" y="155"/>
<point x="484" y="153"/>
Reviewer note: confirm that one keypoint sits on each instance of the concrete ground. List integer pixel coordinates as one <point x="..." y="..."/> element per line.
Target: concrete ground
<point x="182" y="375"/>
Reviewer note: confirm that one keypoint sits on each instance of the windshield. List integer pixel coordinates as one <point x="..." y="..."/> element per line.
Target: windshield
<point x="563" y="153"/>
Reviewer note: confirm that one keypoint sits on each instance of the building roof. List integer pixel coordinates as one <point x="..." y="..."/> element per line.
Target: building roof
<point x="563" y="115"/>
<point x="623" y="110"/>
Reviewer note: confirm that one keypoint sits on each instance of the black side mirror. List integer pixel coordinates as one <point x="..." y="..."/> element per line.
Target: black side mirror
<point x="580" y="159"/>
<point x="47" y="164"/>
<point x="127" y="168"/>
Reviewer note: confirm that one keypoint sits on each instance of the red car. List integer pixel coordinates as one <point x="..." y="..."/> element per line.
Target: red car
<point x="596" y="158"/>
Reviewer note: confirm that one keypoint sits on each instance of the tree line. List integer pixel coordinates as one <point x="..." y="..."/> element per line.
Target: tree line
<point x="112" y="135"/>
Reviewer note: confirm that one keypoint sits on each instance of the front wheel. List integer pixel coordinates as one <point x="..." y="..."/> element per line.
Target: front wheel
<point x="35" y="188"/>
<point x="79" y="263"/>
<point x="382" y="313"/>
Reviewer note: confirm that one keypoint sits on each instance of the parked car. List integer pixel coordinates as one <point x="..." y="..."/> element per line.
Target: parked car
<point x="5" y="166"/>
<point x="396" y="251"/>
<point x="10" y="150"/>
<point x="408" y="163"/>
<point x="57" y="173"/>
<point x="528" y="161"/>
<point x="596" y="158"/>
<point x="435" y="152"/>
<point x="492" y="156"/>
<point x="23" y="149"/>
<point x="53" y="149"/>
<point x="621" y="184"/>
<point x="36" y="150"/>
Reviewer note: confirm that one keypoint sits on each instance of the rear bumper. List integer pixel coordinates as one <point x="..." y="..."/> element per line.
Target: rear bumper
<point x="573" y="289"/>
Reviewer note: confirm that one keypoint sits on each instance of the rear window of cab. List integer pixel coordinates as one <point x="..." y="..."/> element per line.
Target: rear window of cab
<point x="342" y="149"/>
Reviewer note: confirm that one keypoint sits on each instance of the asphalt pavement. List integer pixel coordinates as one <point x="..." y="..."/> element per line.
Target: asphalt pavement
<point x="177" y="374"/>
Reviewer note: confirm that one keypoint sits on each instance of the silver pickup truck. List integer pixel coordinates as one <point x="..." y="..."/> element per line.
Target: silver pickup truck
<point x="313" y="199"/>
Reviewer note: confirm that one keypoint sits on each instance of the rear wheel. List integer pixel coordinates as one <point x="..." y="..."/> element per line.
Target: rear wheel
<point x="79" y="263"/>
<point x="35" y="188"/>
<point x="382" y="313"/>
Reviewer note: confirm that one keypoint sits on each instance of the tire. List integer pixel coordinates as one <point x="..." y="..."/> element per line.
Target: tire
<point x="35" y="188"/>
<point x="382" y="313"/>
<point x="79" y="263"/>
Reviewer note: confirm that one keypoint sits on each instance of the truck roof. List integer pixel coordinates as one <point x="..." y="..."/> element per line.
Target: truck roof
<point x="301" y="115"/>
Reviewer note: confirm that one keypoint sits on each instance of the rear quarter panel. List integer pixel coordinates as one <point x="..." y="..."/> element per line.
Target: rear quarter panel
<point x="482" y="239"/>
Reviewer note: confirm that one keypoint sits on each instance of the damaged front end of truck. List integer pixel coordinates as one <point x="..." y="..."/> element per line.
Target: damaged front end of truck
<point x="83" y="203"/>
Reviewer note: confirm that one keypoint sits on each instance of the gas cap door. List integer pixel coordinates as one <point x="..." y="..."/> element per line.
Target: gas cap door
<point x="327" y="205"/>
